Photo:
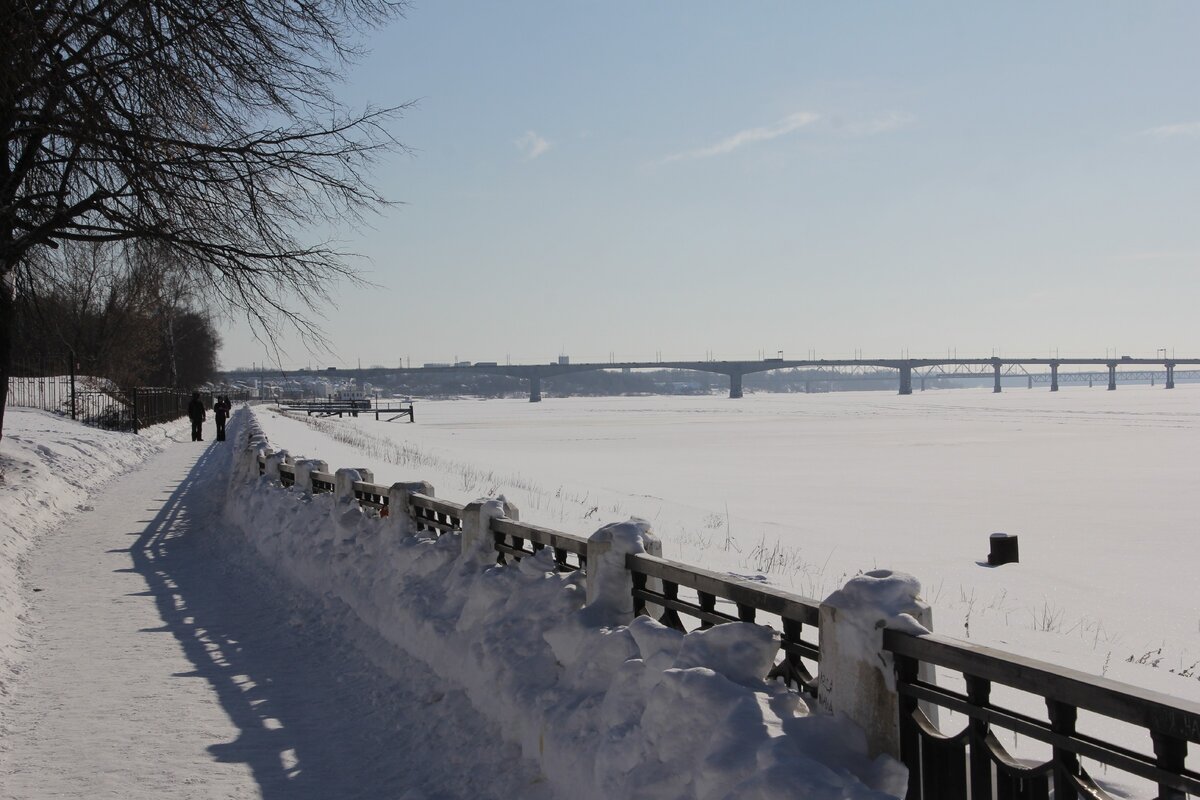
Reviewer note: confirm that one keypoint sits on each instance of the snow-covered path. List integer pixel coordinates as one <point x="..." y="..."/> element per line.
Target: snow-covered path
<point x="166" y="661"/>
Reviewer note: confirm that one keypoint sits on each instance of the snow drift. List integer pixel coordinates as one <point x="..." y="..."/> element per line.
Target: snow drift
<point x="608" y="710"/>
<point x="50" y="466"/>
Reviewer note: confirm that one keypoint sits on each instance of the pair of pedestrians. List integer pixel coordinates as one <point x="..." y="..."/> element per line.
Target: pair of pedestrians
<point x="197" y="414"/>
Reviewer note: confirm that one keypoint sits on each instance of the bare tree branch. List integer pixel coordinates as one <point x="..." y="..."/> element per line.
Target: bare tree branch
<point x="210" y="130"/>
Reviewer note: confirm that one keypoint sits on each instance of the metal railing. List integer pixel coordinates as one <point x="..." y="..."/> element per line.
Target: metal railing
<point x="973" y="760"/>
<point x="112" y="408"/>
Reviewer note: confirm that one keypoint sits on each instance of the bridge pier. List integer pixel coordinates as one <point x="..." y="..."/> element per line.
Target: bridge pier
<point x="1053" y="377"/>
<point x="1112" y="376"/>
<point x="906" y="379"/>
<point x="922" y="383"/>
<point x="1170" y="375"/>
<point x="735" y="385"/>
<point x="996" y="386"/>
<point x="808" y="387"/>
<point x="1030" y="382"/>
<point x="535" y="389"/>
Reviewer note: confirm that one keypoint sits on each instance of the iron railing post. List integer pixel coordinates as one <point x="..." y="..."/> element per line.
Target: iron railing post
<point x="72" y="386"/>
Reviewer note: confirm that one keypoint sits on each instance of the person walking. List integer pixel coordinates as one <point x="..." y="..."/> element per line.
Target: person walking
<point x="220" y="414"/>
<point x="196" y="414"/>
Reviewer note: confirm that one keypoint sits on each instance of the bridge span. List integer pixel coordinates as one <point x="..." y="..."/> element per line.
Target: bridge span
<point x="923" y="368"/>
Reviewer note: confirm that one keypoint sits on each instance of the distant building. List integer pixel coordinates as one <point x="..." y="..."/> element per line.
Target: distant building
<point x="564" y="359"/>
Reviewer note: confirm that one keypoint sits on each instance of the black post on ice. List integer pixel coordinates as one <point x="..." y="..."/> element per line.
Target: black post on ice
<point x="1003" y="549"/>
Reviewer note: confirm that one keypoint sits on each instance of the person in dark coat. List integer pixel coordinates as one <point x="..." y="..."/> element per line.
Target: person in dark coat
<point x="220" y="414"/>
<point x="196" y="414"/>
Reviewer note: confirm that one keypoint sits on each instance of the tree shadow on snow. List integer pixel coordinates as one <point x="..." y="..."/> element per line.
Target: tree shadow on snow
<point x="316" y="719"/>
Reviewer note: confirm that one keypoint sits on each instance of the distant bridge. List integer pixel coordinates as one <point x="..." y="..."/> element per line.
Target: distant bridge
<point x="829" y="369"/>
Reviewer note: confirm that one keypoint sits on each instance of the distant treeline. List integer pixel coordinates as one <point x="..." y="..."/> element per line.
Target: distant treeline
<point x="114" y="313"/>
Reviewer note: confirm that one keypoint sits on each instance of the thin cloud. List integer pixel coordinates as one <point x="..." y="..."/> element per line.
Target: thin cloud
<point x="884" y="124"/>
<point x="532" y="145"/>
<point x="1170" y="131"/>
<point x="789" y="124"/>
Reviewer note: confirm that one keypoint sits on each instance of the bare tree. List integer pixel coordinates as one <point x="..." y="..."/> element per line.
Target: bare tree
<point x="118" y="311"/>
<point x="207" y="128"/>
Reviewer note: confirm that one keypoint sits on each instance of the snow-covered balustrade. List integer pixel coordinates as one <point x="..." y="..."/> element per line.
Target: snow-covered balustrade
<point x="512" y="538"/>
<point x="687" y="601"/>
<point x="519" y="539"/>
<point x="749" y="599"/>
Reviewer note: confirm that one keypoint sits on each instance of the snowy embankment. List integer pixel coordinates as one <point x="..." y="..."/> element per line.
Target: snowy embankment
<point x="608" y="710"/>
<point x="50" y="467"/>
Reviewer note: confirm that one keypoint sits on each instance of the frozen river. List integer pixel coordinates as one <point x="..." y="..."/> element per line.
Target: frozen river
<point x="1101" y="488"/>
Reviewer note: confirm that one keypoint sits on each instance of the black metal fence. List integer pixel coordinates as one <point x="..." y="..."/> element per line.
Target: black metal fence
<point x="96" y="401"/>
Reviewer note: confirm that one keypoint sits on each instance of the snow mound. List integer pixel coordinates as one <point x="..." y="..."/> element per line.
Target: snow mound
<point x="608" y="710"/>
<point x="50" y="467"/>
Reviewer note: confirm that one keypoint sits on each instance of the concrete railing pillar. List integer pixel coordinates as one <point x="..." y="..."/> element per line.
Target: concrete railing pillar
<point x="906" y="379"/>
<point x="343" y="481"/>
<point x="304" y="470"/>
<point x="399" y="505"/>
<point x="274" y="459"/>
<point x="857" y="676"/>
<point x="609" y="582"/>
<point x="255" y="450"/>
<point x="735" y="385"/>
<point x="478" y="543"/>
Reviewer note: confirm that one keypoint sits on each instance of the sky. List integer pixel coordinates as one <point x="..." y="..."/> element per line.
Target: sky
<point x="634" y="181"/>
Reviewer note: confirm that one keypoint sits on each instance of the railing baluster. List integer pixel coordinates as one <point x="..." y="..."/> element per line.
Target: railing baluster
<point x="1066" y="763"/>
<point x="944" y="765"/>
<point x="979" y="692"/>
<point x="910" y="733"/>
<point x="746" y="613"/>
<point x="497" y="542"/>
<point x="639" y="585"/>
<point x="670" y="616"/>
<point x="791" y="668"/>
<point x="1170" y="753"/>
<point x="708" y="602"/>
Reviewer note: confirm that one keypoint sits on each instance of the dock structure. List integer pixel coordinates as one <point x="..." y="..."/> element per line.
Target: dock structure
<point x="330" y="408"/>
